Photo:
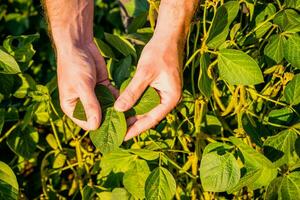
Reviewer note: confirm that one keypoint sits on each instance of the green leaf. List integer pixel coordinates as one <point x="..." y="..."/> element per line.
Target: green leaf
<point x="27" y="83"/>
<point x="218" y="147"/>
<point x="8" y="64"/>
<point x="281" y="116"/>
<point x="116" y="161"/>
<point x="237" y="68"/>
<point x="111" y="133"/>
<point x="279" y="148"/>
<point x="263" y="29"/>
<point x="292" y="51"/>
<point x="88" y="193"/>
<point x="292" y="91"/>
<point x="255" y="161"/>
<point x="288" y="20"/>
<point x="293" y="4"/>
<point x="23" y="141"/>
<point x="149" y="100"/>
<point x="219" y="173"/>
<point x="24" y="51"/>
<point x="59" y="160"/>
<point x="121" y="44"/>
<point x="204" y="82"/>
<point x="220" y="27"/>
<point x="120" y="194"/>
<point x="105" y="98"/>
<point x="284" y="188"/>
<point x="145" y="153"/>
<point x="9" y="187"/>
<point x="123" y="70"/>
<point x="160" y="184"/>
<point x="135" y="178"/>
<point x="135" y="8"/>
<point x="267" y="12"/>
<point x="105" y="49"/>
<point x="275" y="48"/>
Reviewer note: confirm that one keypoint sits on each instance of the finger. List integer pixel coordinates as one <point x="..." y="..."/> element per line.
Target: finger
<point x="131" y="120"/>
<point x="91" y="106"/>
<point x="133" y="91"/>
<point x="68" y="106"/>
<point x="149" y="120"/>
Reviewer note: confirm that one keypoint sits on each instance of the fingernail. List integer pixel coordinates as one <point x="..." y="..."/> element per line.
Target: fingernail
<point x="120" y="105"/>
<point x="93" y="123"/>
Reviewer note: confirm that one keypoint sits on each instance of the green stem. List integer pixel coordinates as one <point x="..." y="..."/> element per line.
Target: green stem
<point x="9" y="132"/>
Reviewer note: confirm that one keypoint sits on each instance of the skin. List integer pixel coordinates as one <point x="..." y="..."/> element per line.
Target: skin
<point x="80" y="65"/>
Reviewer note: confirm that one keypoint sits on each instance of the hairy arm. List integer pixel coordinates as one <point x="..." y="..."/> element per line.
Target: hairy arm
<point x="70" y="22"/>
<point x="160" y="65"/>
<point x="79" y="64"/>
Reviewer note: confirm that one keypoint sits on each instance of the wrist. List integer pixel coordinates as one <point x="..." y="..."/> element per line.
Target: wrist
<point x="66" y="40"/>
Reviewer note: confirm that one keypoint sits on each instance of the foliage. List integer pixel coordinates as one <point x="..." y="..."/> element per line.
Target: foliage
<point x="235" y="133"/>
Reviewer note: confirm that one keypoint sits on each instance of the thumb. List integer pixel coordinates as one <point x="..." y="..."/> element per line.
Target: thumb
<point x="132" y="93"/>
<point x="91" y="107"/>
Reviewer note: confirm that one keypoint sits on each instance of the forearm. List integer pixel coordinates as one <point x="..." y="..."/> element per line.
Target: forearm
<point x="174" y="19"/>
<point x="70" y="22"/>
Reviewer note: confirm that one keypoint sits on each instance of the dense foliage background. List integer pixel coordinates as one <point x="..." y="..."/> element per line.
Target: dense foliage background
<point x="234" y="135"/>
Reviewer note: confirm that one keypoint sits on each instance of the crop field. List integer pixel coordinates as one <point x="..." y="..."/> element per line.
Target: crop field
<point x="235" y="134"/>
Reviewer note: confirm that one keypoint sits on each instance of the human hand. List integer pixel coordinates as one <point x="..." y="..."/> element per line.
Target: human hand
<point x="79" y="69"/>
<point x="158" y="67"/>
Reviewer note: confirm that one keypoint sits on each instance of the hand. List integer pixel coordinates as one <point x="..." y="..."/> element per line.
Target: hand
<point x="79" y="70"/>
<point x="158" y="67"/>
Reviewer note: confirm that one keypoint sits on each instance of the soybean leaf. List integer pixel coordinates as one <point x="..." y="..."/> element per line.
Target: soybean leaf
<point x="88" y="193"/>
<point x="8" y="64"/>
<point x="116" y="161"/>
<point x="59" y="160"/>
<point x="268" y="11"/>
<point x="111" y="133"/>
<point x="293" y="4"/>
<point x="149" y="100"/>
<point x="24" y="51"/>
<point x="237" y="68"/>
<point x="121" y="44"/>
<point x="286" y="187"/>
<point x="23" y="141"/>
<point x="263" y="29"/>
<point x="281" y="116"/>
<point x="9" y="187"/>
<point x="220" y="148"/>
<point x="292" y="91"/>
<point x="135" y="8"/>
<point x="145" y="153"/>
<point x="123" y="70"/>
<point x="160" y="184"/>
<point x="105" y="49"/>
<point x="288" y="20"/>
<point x="292" y="51"/>
<point x="219" y="173"/>
<point x="275" y="48"/>
<point x="204" y="82"/>
<point x="105" y="98"/>
<point x="255" y="161"/>
<point x="135" y="178"/>
<point x="220" y="26"/>
<point x="247" y="179"/>
<point x="120" y="194"/>
<point x="279" y="148"/>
